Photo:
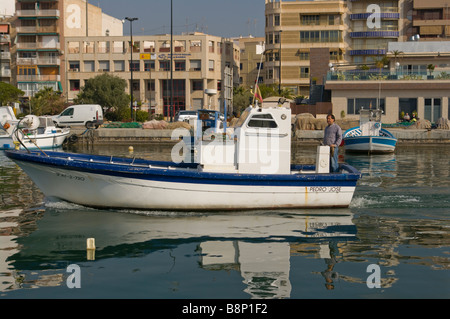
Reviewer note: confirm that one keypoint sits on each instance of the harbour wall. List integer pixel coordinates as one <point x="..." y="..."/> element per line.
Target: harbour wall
<point x="143" y="136"/>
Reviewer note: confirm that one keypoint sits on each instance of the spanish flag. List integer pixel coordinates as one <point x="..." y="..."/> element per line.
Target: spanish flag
<point x="258" y="93"/>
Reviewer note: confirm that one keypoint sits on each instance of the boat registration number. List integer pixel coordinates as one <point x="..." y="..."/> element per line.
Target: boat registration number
<point x="72" y="177"/>
<point x="324" y="189"/>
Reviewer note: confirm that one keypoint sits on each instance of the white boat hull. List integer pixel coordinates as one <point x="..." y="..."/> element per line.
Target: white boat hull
<point x="175" y="189"/>
<point x="96" y="190"/>
<point x="38" y="141"/>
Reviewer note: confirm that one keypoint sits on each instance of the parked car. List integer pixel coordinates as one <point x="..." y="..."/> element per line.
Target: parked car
<point x="185" y="116"/>
<point x="89" y="115"/>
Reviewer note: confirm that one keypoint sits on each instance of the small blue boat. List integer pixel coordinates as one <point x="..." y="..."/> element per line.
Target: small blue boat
<point x="369" y="137"/>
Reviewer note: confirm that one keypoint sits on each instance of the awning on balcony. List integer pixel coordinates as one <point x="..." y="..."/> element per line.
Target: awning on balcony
<point x="4" y="28"/>
<point x="431" y="29"/>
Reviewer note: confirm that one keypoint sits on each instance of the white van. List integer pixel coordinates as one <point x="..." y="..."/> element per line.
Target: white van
<point x="89" y="115"/>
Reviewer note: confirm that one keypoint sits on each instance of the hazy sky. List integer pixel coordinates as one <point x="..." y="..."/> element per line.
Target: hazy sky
<point x="226" y="18"/>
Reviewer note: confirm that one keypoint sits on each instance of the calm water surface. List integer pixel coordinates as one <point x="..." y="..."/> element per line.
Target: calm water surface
<point x="398" y="220"/>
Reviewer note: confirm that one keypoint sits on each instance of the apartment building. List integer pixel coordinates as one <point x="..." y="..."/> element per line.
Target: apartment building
<point x="204" y="68"/>
<point x="431" y="20"/>
<point x="40" y="30"/>
<point x="251" y="67"/>
<point x="5" y="52"/>
<point x="292" y="28"/>
<point x="375" y="23"/>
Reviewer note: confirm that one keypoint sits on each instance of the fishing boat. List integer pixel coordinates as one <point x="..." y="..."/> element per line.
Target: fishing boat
<point x="31" y="132"/>
<point x="249" y="168"/>
<point x="369" y="137"/>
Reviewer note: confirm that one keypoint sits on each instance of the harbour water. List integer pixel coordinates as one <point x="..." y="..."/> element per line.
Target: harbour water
<point x="392" y="242"/>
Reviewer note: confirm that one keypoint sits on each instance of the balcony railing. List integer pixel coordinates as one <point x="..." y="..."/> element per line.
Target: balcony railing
<point x="48" y="61"/>
<point x="38" y="78"/>
<point x="374" y="75"/>
<point x="5" y="72"/>
<point x="5" y="38"/>
<point x="38" y="29"/>
<point x="26" y="61"/>
<point x="38" y="13"/>
<point x="5" y="55"/>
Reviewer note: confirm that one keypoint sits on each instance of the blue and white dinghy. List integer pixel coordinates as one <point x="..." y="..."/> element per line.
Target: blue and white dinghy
<point x="246" y="167"/>
<point x="369" y="137"/>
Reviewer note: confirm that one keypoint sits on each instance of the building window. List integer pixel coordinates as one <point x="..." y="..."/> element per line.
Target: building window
<point x="196" y="65"/>
<point x="180" y="65"/>
<point x="310" y="19"/>
<point x="164" y="65"/>
<point x="134" y="66"/>
<point x="354" y="105"/>
<point x="276" y="20"/>
<point x="197" y="85"/>
<point x="150" y="85"/>
<point x="304" y="72"/>
<point x="211" y="65"/>
<point x="149" y="65"/>
<point x="89" y="66"/>
<point x="331" y="20"/>
<point x="407" y="105"/>
<point x="303" y="55"/>
<point x="432" y="110"/>
<point x="320" y="36"/>
<point x="119" y="66"/>
<point x="74" y="85"/>
<point x="103" y="66"/>
<point x="74" y="66"/>
<point x="136" y="86"/>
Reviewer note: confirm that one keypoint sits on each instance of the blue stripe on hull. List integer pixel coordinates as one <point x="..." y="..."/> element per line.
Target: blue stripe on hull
<point x="179" y="173"/>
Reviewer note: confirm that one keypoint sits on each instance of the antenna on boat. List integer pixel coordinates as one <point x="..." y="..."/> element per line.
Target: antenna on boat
<point x="257" y="91"/>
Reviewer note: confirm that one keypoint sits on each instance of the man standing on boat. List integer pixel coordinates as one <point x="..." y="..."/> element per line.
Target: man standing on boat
<point x="333" y="138"/>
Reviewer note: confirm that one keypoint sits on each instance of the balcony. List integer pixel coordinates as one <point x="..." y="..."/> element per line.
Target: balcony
<point x="48" y="61"/>
<point x="38" y="13"/>
<point x="5" y="73"/>
<point x="5" y="38"/>
<point x="26" y="46"/>
<point x="5" y="55"/>
<point x="26" y="61"/>
<point x="38" y="78"/>
<point x="377" y="76"/>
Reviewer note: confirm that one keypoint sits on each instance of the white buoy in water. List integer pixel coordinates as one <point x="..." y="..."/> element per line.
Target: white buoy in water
<point x="90" y="242"/>
<point x="90" y="246"/>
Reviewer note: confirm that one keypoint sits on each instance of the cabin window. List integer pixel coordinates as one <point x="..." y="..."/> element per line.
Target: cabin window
<point x="262" y="121"/>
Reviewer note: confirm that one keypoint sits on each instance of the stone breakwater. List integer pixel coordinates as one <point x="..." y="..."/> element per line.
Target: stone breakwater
<point x="143" y="136"/>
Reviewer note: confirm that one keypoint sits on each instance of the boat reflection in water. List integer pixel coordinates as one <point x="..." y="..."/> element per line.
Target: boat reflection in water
<point x="258" y="245"/>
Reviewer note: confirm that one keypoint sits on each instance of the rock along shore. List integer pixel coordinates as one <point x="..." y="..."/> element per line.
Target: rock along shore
<point x="148" y="136"/>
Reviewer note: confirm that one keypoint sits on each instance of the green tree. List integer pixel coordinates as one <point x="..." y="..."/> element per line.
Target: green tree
<point x="47" y="102"/>
<point x="9" y="93"/>
<point x="109" y="92"/>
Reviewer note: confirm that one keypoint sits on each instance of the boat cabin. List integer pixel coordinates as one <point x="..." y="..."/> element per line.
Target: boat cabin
<point x="370" y="122"/>
<point x="259" y="142"/>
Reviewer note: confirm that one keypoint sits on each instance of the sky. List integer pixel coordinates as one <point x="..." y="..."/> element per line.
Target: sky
<point x="224" y="18"/>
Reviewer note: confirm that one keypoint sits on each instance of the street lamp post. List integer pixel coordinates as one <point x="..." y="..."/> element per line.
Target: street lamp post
<point x="131" y="64"/>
